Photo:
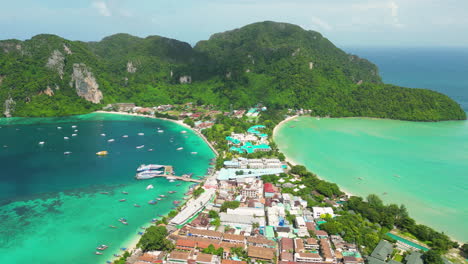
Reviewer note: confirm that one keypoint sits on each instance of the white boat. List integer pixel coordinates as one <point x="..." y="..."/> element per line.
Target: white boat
<point x="125" y="136"/>
<point x="149" y="187"/>
<point x="103" y="135"/>
<point x="74" y="135"/>
<point x="183" y="131"/>
<point x="73" y="126"/>
<point x="171" y="180"/>
<point x="59" y="127"/>
<point x="111" y="140"/>
<point x="139" y="147"/>
<point x="160" y="131"/>
<point x="67" y="153"/>
<point x="144" y="167"/>
<point x="41" y="143"/>
<point x="141" y="134"/>
<point x="194" y="153"/>
<point x="181" y="148"/>
<point x="150" y="149"/>
<point x="76" y="130"/>
<point x="147" y="175"/>
<point x="66" y="138"/>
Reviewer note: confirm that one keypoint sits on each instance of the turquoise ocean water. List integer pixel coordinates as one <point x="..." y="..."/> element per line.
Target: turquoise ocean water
<point x="51" y="206"/>
<point x="422" y="165"/>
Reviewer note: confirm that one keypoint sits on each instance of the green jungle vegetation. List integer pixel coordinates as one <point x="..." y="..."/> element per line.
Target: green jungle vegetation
<point x="277" y="64"/>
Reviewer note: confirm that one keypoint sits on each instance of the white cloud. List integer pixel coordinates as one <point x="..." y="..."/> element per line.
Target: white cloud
<point x="102" y="8"/>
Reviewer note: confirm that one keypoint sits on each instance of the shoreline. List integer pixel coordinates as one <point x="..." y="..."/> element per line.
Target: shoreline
<point x="179" y="122"/>
<point x="292" y="162"/>
<point x="134" y="239"/>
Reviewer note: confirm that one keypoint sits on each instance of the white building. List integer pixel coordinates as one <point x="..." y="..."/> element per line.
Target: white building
<point x="319" y="211"/>
<point x="257" y="212"/>
<point x="307" y="257"/>
<point x="274" y="213"/>
<point x="241" y="221"/>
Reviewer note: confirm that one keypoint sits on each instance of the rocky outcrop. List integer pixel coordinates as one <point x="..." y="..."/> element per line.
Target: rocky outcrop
<point x="9" y="107"/>
<point x="85" y="83"/>
<point x="48" y="91"/>
<point x="311" y="65"/>
<point x="296" y="52"/>
<point x="1" y="79"/>
<point x="56" y="62"/>
<point x="185" y="79"/>
<point x="67" y="49"/>
<point x="131" y="68"/>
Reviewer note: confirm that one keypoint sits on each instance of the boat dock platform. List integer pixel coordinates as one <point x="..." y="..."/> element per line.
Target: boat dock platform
<point x="169" y="174"/>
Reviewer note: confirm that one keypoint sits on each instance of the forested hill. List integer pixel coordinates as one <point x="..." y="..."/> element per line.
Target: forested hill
<point x="278" y="64"/>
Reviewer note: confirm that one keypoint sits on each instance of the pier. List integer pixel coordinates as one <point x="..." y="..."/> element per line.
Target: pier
<point x="169" y="174"/>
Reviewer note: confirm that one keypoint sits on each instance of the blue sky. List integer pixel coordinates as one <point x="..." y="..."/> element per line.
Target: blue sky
<point x="345" y="22"/>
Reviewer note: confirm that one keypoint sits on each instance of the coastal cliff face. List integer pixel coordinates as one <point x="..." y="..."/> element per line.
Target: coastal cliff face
<point x="85" y="83"/>
<point x="278" y="64"/>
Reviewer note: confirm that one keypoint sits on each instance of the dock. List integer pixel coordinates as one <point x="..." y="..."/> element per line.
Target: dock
<point x="169" y="174"/>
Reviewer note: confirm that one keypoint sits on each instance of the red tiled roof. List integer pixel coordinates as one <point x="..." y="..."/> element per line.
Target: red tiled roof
<point x="287" y="244"/>
<point x="185" y="243"/>
<point x="228" y="261"/>
<point x="268" y="187"/>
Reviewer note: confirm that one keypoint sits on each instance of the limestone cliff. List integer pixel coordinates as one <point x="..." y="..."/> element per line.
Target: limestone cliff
<point x="56" y="62"/>
<point x="9" y="107"/>
<point x="85" y="83"/>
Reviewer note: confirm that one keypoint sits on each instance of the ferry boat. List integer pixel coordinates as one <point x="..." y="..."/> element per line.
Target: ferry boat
<point x="102" y="153"/>
<point x="144" y="167"/>
<point x="147" y="175"/>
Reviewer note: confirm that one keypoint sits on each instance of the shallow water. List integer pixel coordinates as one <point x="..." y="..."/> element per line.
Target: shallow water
<point x="51" y="205"/>
<point x="421" y="165"/>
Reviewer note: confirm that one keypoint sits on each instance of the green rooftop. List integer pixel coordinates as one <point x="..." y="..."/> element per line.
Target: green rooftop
<point x="383" y="250"/>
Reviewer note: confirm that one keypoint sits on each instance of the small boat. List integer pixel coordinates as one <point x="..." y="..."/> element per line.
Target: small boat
<point x="176" y="202"/>
<point x="111" y="140"/>
<point x="162" y="195"/>
<point x="396" y="175"/>
<point x="41" y="143"/>
<point x="385" y="193"/>
<point x="76" y="130"/>
<point x="194" y="153"/>
<point x="152" y="202"/>
<point x="98" y="253"/>
<point x="136" y="205"/>
<point x="125" y="223"/>
<point x="160" y="131"/>
<point x="171" y="180"/>
<point x="292" y="126"/>
<point x="117" y="255"/>
<point x="59" y="127"/>
<point x="181" y="148"/>
<point x="159" y="199"/>
<point x="149" y="187"/>
<point x="153" y="220"/>
<point x="104" y="192"/>
<point x="112" y="226"/>
<point x="142" y="227"/>
<point x="123" y="249"/>
<point x="171" y="191"/>
<point x="122" y="200"/>
<point x="66" y="138"/>
<point x="179" y="184"/>
<point x="140" y="233"/>
<point x="150" y="149"/>
<point x="103" y="135"/>
<point x="67" y="153"/>
<point x="74" y="135"/>
<point x="124" y="192"/>
<point x="102" y="153"/>
<point x="102" y="247"/>
<point x="141" y="146"/>
<point x="125" y="136"/>
<point x="359" y="178"/>
<point x="141" y="134"/>
<point x="160" y="215"/>
<point x="73" y="126"/>
<point x="183" y="131"/>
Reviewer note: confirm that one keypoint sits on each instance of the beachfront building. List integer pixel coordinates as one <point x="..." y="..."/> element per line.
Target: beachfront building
<point x="236" y="174"/>
<point x="243" y="163"/>
<point x="193" y="207"/>
<point x="319" y="211"/>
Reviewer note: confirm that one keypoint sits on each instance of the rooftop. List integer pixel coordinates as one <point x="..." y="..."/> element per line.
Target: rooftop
<point x="383" y="249"/>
